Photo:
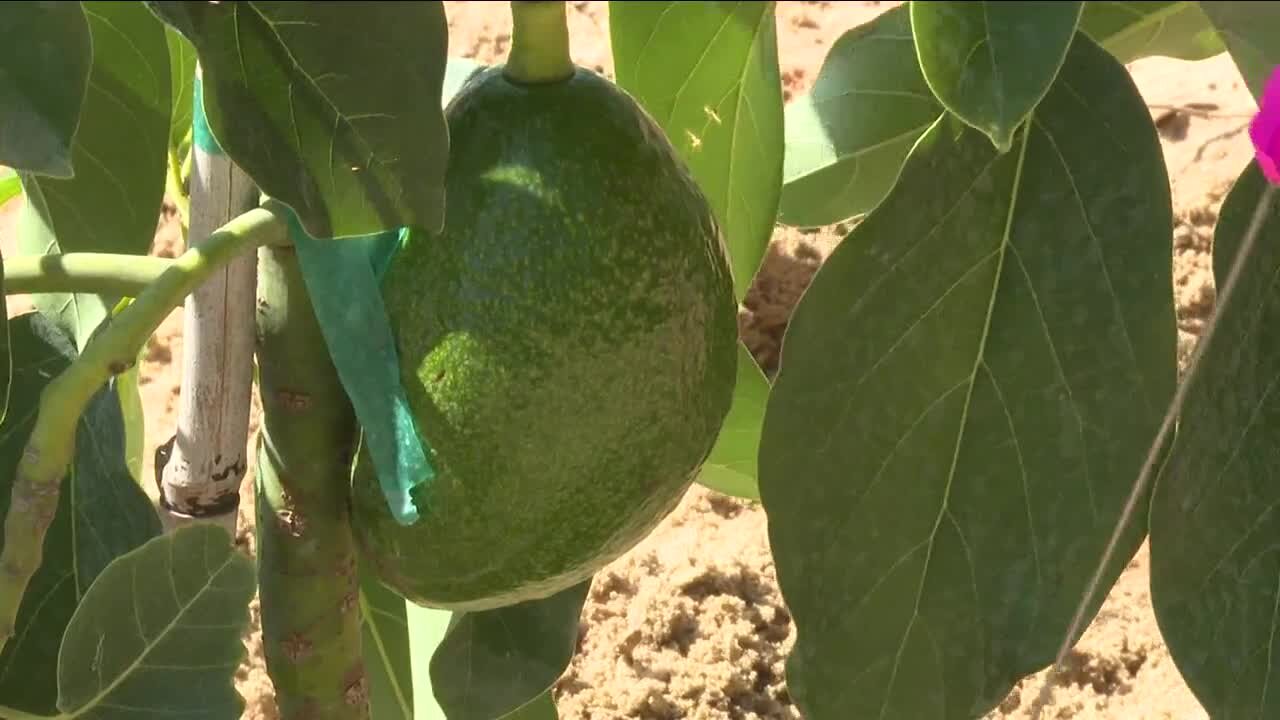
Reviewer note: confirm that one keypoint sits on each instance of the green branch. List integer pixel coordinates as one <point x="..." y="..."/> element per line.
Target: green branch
<point x="93" y="273"/>
<point x="307" y="579"/>
<point x="51" y="446"/>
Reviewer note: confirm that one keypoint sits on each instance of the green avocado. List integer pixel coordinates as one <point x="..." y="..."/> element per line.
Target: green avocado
<point x="568" y="346"/>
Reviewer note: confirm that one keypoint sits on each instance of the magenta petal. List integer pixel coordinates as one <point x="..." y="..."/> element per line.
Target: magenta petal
<point x="1265" y="129"/>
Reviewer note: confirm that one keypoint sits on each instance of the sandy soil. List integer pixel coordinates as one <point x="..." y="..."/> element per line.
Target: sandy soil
<point x="690" y="624"/>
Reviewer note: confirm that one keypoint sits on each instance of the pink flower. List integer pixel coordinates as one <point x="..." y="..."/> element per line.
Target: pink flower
<point x="1265" y="129"/>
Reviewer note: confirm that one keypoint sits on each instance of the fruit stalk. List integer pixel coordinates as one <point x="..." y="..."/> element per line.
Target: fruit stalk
<point x="539" y="42"/>
<point x="51" y="445"/>
<point x="306" y="555"/>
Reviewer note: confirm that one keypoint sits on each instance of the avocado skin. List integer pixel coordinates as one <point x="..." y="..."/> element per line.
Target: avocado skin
<point x="568" y="345"/>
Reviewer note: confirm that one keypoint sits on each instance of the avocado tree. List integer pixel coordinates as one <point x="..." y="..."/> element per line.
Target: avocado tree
<point x="489" y="313"/>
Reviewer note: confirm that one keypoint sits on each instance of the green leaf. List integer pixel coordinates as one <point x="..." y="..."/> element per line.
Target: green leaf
<point x="1133" y="30"/>
<point x="182" y="74"/>
<point x="46" y="51"/>
<point x="427" y="629"/>
<point x="119" y="153"/>
<point x="990" y="63"/>
<point x="386" y="650"/>
<point x="708" y="73"/>
<point x="731" y="467"/>
<point x="847" y="138"/>
<point x="158" y="634"/>
<point x="1214" y="526"/>
<point x="10" y="185"/>
<point x="492" y="662"/>
<point x="1249" y="31"/>
<point x="969" y="389"/>
<point x="340" y="117"/>
<point x="102" y="513"/>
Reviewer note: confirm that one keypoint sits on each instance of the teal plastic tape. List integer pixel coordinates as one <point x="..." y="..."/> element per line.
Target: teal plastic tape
<point x="201" y="134"/>
<point x="343" y="278"/>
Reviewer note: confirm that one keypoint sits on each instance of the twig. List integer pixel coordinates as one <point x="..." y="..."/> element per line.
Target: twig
<point x="51" y="445"/>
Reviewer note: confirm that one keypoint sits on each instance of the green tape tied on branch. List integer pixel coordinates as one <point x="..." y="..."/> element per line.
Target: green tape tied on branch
<point x="201" y="133"/>
<point x="343" y="278"/>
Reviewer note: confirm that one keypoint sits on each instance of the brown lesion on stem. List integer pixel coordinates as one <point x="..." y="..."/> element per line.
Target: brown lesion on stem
<point x="308" y="584"/>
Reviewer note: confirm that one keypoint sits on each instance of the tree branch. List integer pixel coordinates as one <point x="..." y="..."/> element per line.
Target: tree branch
<point x="94" y="273"/>
<point x="51" y="445"/>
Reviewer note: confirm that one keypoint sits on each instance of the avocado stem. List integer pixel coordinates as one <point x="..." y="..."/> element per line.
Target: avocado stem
<point x="539" y="43"/>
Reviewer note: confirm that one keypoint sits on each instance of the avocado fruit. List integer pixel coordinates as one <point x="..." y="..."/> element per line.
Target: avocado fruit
<point x="568" y="346"/>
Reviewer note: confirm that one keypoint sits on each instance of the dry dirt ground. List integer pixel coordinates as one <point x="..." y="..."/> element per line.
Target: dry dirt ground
<point x="690" y="623"/>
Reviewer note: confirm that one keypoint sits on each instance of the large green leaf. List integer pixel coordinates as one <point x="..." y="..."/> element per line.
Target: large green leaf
<point x="1133" y="30"/>
<point x="182" y="75"/>
<point x="1249" y="32"/>
<point x="158" y="634"/>
<point x="990" y="63"/>
<point x="1214" y="526"/>
<point x="340" y="117"/>
<point x="112" y="203"/>
<point x="968" y="392"/>
<point x="708" y="73"/>
<point x="846" y="139"/>
<point x="102" y="513"/>
<point x="386" y="650"/>
<point x="493" y="662"/>
<point x="45" y="50"/>
<point x="731" y="467"/>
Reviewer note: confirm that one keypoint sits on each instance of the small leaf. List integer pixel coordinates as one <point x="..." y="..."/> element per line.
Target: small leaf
<point x="846" y="139"/>
<point x="341" y="117"/>
<point x="492" y="662"/>
<point x="112" y="203"/>
<point x="46" y="51"/>
<point x="182" y="74"/>
<point x="158" y="634"/>
<point x="731" y="467"/>
<point x="10" y="185"/>
<point x="386" y="650"/>
<point x="1215" y="575"/>
<point x="1134" y="30"/>
<point x="1249" y="32"/>
<point x="708" y="73"/>
<point x="968" y="391"/>
<point x="990" y="63"/>
<point x="102" y="513"/>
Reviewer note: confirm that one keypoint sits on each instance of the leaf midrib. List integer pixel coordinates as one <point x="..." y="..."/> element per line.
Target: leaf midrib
<point x="979" y="359"/>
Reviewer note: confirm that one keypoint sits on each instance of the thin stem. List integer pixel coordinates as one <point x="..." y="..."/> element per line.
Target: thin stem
<point x="539" y="43"/>
<point x="307" y="578"/>
<point x="89" y="273"/>
<point x="175" y="188"/>
<point x="51" y="445"/>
